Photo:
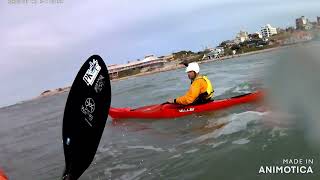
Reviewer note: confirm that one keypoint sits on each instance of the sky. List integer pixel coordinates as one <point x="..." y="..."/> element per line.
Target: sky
<point x="43" y="45"/>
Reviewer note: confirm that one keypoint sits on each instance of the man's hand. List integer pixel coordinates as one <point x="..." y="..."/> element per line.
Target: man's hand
<point x="170" y="100"/>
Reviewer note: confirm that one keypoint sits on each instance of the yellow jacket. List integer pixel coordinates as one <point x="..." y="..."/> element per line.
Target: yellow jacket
<point x="199" y="86"/>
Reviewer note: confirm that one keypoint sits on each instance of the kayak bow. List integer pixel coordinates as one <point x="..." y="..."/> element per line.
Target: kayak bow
<point x="161" y="111"/>
<point x="3" y="176"/>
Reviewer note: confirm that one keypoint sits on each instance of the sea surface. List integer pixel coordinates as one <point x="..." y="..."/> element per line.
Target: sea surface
<point x="230" y="144"/>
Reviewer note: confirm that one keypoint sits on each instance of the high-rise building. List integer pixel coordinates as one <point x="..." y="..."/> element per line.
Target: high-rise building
<point x="303" y="23"/>
<point x="268" y="31"/>
<point x="318" y="21"/>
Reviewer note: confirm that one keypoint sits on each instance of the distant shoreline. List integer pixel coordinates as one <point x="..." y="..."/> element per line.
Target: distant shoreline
<point x="169" y="68"/>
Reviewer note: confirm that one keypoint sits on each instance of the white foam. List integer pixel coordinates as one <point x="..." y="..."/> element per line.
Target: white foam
<point x="234" y="123"/>
<point x="216" y="123"/>
<point x="108" y="171"/>
<point x="201" y="138"/>
<point x="192" y="151"/>
<point x="239" y="122"/>
<point x="242" y="89"/>
<point x="279" y="130"/>
<point x="103" y="149"/>
<point x="121" y="167"/>
<point x="241" y="141"/>
<point x="171" y="150"/>
<point x="109" y="151"/>
<point x="175" y="156"/>
<point x="214" y="145"/>
<point x="146" y="148"/>
<point x="132" y="175"/>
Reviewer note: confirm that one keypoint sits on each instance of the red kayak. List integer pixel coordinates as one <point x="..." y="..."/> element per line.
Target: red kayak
<point x="160" y="111"/>
<point x="3" y="176"/>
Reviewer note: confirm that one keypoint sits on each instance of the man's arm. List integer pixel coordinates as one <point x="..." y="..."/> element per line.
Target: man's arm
<point x="191" y="95"/>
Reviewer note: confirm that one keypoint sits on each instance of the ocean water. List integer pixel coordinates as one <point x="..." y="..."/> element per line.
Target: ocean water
<point x="228" y="144"/>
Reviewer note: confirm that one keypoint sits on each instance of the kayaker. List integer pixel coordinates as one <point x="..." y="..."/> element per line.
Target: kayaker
<point x="200" y="91"/>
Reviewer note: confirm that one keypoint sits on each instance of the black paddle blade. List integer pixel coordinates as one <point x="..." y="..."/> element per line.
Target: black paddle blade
<point x="85" y="116"/>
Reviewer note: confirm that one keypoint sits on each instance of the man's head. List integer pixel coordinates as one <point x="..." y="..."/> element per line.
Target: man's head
<point x="193" y="69"/>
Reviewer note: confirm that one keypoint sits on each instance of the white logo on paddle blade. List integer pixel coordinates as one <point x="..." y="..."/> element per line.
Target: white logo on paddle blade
<point x="90" y="105"/>
<point x="87" y="109"/>
<point x="92" y="72"/>
<point x="99" y="84"/>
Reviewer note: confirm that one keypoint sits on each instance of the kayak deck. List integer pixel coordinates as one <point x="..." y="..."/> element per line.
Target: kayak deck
<point x="161" y="111"/>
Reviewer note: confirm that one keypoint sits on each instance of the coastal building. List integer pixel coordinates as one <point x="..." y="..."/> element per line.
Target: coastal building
<point x="167" y="57"/>
<point x="303" y="23"/>
<point x="255" y="36"/>
<point x="214" y="53"/>
<point x="241" y="37"/>
<point x="227" y="44"/>
<point x="149" y="62"/>
<point x="317" y="26"/>
<point x="268" y="31"/>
